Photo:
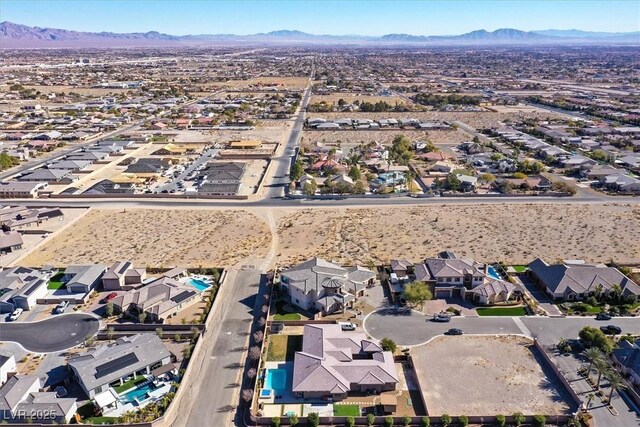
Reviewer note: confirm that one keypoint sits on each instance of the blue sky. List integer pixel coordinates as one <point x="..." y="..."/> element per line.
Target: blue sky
<point x="375" y="17"/>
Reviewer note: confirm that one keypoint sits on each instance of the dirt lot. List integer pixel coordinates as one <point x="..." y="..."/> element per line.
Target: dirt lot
<point x="478" y="120"/>
<point x="515" y="233"/>
<point x="157" y="237"/>
<point x="284" y="82"/>
<point x="452" y="136"/>
<point x="467" y="375"/>
<point x="350" y="97"/>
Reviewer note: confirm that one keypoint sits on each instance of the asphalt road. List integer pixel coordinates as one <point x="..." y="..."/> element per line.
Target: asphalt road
<point x="54" y="334"/>
<point x="410" y="328"/>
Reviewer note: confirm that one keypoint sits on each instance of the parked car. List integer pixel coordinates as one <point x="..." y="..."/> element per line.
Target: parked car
<point x="109" y="297"/>
<point x="60" y="308"/>
<point x="603" y="316"/>
<point x="441" y="317"/>
<point x="611" y="329"/>
<point x="347" y="326"/>
<point x="454" y="331"/>
<point x="16" y="313"/>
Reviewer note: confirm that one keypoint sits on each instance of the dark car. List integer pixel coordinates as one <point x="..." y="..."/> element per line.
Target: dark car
<point x="109" y="297"/>
<point x="611" y="330"/>
<point x="454" y="331"/>
<point x="603" y="316"/>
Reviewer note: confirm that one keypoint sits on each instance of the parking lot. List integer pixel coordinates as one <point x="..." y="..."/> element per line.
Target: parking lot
<point x="487" y="375"/>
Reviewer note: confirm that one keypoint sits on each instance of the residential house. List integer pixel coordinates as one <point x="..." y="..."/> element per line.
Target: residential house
<point x="111" y="365"/>
<point x="21" y="401"/>
<point x="83" y="278"/>
<point x="107" y="186"/>
<point x="21" y="190"/>
<point x="72" y="165"/>
<point x="123" y="276"/>
<point x="401" y="267"/>
<point x="21" y="287"/>
<point x="334" y="363"/>
<point x="11" y="241"/>
<point x="622" y="183"/>
<point x="627" y="359"/>
<point x="577" y="280"/>
<point x="7" y="366"/>
<point x="324" y="286"/>
<point x="58" y="176"/>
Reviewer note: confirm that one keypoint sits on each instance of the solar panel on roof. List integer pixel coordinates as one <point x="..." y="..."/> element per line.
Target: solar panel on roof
<point x="116" y="364"/>
<point x="182" y="296"/>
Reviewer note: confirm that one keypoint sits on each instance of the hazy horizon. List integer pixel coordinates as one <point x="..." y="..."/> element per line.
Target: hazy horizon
<point x="373" y="18"/>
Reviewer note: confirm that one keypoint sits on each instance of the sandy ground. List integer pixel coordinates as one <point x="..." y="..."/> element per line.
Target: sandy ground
<point x="467" y="375"/>
<point x="351" y="97"/>
<point x="511" y="233"/>
<point x="453" y="136"/>
<point x="157" y="237"/>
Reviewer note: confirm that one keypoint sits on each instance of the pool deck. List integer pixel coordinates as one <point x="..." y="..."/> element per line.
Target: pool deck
<point x="154" y="395"/>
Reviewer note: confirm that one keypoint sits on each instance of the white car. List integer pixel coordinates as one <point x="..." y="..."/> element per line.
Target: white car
<point x="347" y="326"/>
<point x="60" y="308"/>
<point x="16" y="313"/>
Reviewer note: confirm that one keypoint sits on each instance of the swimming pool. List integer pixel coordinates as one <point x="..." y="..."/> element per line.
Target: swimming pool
<point x="491" y="272"/>
<point x="276" y="379"/>
<point x="140" y="393"/>
<point x="200" y="285"/>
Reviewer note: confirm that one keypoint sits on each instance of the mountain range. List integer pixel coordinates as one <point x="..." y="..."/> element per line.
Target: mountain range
<point x="22" y="36"/>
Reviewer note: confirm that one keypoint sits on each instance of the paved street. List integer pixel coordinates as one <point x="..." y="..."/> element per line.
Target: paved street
<point x="56" y="333"/>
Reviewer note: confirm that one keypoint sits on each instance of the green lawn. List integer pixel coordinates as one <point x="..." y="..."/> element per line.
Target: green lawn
<point x="346" y="410"/>
<point x="87" y="410"/>
<point x="101" y="420"/>
<point x="502" y="311"/>
<point x="55" y="282"/>
<point x="282" y="314"/>
<point x="129" y="384"/>
<point x="519" y="268"/>
<point x="283" y="347"/>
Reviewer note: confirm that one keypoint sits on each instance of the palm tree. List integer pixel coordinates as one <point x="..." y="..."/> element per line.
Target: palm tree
<point x="593" y="354"/>
<point x="602" y="368"/>
<point x="616" y="290"/>
<point x="615" y="382"/>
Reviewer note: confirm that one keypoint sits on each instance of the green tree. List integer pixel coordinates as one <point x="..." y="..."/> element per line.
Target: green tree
<point x="592" y="354"/>
<point x="501" y="420"/>
<point x="310" y="187"/>
<point x="594" y="337"/>
<point x="354" y="173"/>
<point x="388" y="422"/>
<point x="602" y="368"/>
<point x="296" y="171"/>
<point x="406" y="420"/>
<point x="446" y="420"/>
<point x="417" y="293"/>
<point x="7" y="161"/>
<point x="371" y="419"/>
<point x="293" y="420"/>
<point x="142" y="317"/>
<point x="615" y="383"/>
<point x="463" y="420"/>
<point x="487" y="177"/>
<point x="388" y="344"/>
<point x="518" y="419"/>
<point x="453" y="182"/>
<point x="519" y="175"/>
<point x="359" y="187"/>
<point x="425" y="422"/>
<point x="349" y="422"/>
<point x="275" y="422"/>
<point x="313" y="419"/>
<point x="108" y="309"/>
<point x="539" y="420"/>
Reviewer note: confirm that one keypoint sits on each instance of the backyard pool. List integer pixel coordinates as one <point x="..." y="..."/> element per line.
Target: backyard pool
<point x="276" y="379"/>
<point x="491" y="272"/>
<point x="140" y="393"/>
<point x="200" y="285"/>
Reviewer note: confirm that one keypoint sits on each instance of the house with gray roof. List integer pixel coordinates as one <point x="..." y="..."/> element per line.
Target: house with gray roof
<point x="627" y="359"/>
<point x="21" y="287"/>
<point x="21" y="400"/>
<point x="334" y="363"/>
<point x="123" y="276"/>
<point x="10" y="241"/>
<point x="320" y="285"/>
<point x="83" y="278"/>
<point x="61" y="176"/>
<point x="113" y="364"/>
<point x="577" y="280"/>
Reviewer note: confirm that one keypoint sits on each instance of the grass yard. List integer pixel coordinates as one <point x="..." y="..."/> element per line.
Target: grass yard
<point x="502" y="311"/>
<point x="56" y="282"/>
<point x="101" y="420"/>
<point x="346" y="410"/>
<point x="87" y="410"/>
<point x="519" y="268"/>
<point x="129" y="384"/>
<point x="282" y="314"/>
<point x="283" y="347"/>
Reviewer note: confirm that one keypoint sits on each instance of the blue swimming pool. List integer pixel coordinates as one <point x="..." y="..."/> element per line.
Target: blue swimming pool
<point x="200" y="285"/>
<point x="276" y="379"/>
<point x="141" y="393"/>
<point x="491" y="272"/>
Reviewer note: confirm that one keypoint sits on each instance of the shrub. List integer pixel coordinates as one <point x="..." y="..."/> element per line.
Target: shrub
<point x="406" y="420"/>
<point x="349" y="422"/>
<point x="445" y="419"/>
<point x="518" y="419"/>
<point x="275" y="422"/>
<point x="501" y="420"/>
<point x="388" y="422"/>
<point x="388" y="344"/>
<point x="293" y="420"/>
<point x="425" y="422"/>
<point x="371" y="419"/>
<point x="539" y="420"/>
<point x="313" y="419"/>
<point x="464" y="420"/>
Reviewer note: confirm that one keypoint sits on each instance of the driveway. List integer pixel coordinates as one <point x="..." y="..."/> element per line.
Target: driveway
<point x="536" y="293"/>
<point x="54" y="334"/>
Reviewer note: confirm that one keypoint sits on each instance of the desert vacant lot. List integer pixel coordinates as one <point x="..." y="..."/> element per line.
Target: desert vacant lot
<point x="157" y="237"/>
<point x="453" y="136"/>
<point x="486" y="375"/>
<point x="515" y="233"/>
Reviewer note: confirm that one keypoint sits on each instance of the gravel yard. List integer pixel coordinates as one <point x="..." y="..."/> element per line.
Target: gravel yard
<point x="488" y="376"/>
